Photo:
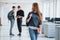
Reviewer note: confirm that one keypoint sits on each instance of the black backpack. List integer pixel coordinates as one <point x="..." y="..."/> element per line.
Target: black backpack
<point x="27" y="24"/>
<point x="10" y="15"/>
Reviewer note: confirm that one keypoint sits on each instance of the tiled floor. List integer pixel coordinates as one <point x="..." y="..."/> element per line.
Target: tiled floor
<point x="4" y="34"/>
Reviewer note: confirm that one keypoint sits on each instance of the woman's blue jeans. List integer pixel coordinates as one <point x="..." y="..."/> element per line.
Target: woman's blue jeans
<point x="33" y="34"/>
<point x="11" y="26"/>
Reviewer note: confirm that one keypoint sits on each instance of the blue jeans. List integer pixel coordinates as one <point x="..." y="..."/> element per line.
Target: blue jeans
<point x="12" y="24"/>
<point x="33" y="34"/>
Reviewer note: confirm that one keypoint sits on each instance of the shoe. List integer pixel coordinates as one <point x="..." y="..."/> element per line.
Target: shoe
<point x="11" y="34"/>
<point x="19" y="34"/>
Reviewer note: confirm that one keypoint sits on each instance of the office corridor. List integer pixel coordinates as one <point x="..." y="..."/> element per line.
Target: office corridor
<point x="50" y="10"/>
<point x="4" y="34"/>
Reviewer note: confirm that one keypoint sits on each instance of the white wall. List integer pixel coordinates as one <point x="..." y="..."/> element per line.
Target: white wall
<point x="58" y="9"/>
<point x="20" y="1"/>
<point x="7" y="7"/>
<point x="47" y="11"/>
<point x="53" y="10"/>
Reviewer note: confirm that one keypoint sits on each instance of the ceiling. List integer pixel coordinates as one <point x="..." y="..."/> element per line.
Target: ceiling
<point x="19" y="1"/>
<point x="24" y="0"/>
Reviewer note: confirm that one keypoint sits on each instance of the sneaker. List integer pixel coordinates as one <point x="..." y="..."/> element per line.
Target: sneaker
<point x="12" y="34"/>
<point x="19" y="34"/>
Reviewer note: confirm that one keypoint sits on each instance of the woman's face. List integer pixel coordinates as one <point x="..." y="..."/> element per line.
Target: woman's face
<point x="33" y="8"/>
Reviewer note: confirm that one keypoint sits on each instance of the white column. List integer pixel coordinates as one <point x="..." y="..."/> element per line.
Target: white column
<point x="0" y="13"/>
<point x="0" y="16"/>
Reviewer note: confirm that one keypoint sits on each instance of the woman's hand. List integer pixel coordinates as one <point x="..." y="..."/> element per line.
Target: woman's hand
<point x="30" y="15"/>
<point x="38" y="30"/>
<point x="29" y="18"/>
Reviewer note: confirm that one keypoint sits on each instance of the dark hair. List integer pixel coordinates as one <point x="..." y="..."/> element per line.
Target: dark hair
<point x="13" y="6"/>
<point x="19" y="7"/>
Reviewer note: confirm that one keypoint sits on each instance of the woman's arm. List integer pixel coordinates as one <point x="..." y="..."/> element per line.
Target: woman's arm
<point x="39" y="24"/>
<point x="29" y="18"/>
<point x="40" y="18"/>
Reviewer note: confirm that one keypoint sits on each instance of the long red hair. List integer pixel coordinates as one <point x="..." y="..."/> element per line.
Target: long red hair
<point x="36" y="8"/>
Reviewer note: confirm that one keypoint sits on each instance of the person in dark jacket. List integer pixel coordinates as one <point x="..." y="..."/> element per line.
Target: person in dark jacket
<point x="20" y="15"/>
<point x="34" y="21"/>
<point x="11" y="18"/>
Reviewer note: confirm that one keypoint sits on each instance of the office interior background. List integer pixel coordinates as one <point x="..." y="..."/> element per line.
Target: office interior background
<point x="50" y="10"/>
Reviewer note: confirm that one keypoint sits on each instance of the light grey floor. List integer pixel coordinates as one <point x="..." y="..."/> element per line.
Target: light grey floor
<point x="4" y="34"/>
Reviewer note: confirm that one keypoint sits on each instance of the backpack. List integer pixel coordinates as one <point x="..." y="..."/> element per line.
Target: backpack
<point x="10" y="15"/>
<point x="27" y="24"/>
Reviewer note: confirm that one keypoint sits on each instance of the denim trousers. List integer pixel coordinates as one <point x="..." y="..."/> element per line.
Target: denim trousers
<point x="33" y="34"/>
<point x="11" y="26"/>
